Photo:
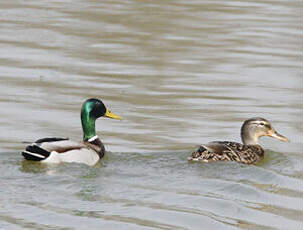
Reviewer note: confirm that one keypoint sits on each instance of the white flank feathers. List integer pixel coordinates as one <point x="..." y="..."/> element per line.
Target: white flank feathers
<point x="84" y="155"/>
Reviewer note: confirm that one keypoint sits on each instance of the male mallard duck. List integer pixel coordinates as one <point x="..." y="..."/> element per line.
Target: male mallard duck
<point x="248" y="153"/>
<point x="56" y="150"/>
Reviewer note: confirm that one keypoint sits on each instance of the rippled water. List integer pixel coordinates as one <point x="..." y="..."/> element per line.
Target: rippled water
<point x="180" y="73"/>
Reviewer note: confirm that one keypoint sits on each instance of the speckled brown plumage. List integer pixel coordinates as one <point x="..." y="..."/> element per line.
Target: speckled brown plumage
<point x="228" y="151"/>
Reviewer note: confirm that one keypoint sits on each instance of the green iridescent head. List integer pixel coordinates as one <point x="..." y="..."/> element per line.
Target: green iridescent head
<point x="91" y="110"/>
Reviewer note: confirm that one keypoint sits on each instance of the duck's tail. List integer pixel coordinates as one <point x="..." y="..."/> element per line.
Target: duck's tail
<point x="35" y="153"/>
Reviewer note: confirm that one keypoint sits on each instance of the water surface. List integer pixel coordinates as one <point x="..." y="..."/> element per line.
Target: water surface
<point x="180" y="73"/>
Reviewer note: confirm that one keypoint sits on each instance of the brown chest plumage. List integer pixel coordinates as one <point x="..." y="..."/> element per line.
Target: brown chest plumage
<point x="97" y="146"/>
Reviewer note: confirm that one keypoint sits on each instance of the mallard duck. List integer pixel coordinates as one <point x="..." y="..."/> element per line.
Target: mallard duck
<point x="89" y="151"/>
<point x="249" y="152"/>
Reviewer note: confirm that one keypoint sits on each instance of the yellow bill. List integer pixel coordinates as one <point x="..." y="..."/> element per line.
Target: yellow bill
<point x="112" y="115"/>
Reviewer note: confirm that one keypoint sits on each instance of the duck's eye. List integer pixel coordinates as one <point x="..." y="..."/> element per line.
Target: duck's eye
<point x="262" y="123"/>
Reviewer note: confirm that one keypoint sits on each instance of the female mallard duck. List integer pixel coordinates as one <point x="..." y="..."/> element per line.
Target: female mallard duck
<point x="249" y="152"/>
<point x="56" y="150"/>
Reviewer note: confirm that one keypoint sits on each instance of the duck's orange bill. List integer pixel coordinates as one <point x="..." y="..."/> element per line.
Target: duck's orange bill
<point x="274" y="134"/>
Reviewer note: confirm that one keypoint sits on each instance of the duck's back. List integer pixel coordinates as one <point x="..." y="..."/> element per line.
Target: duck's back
<point x="228" y="151"/>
